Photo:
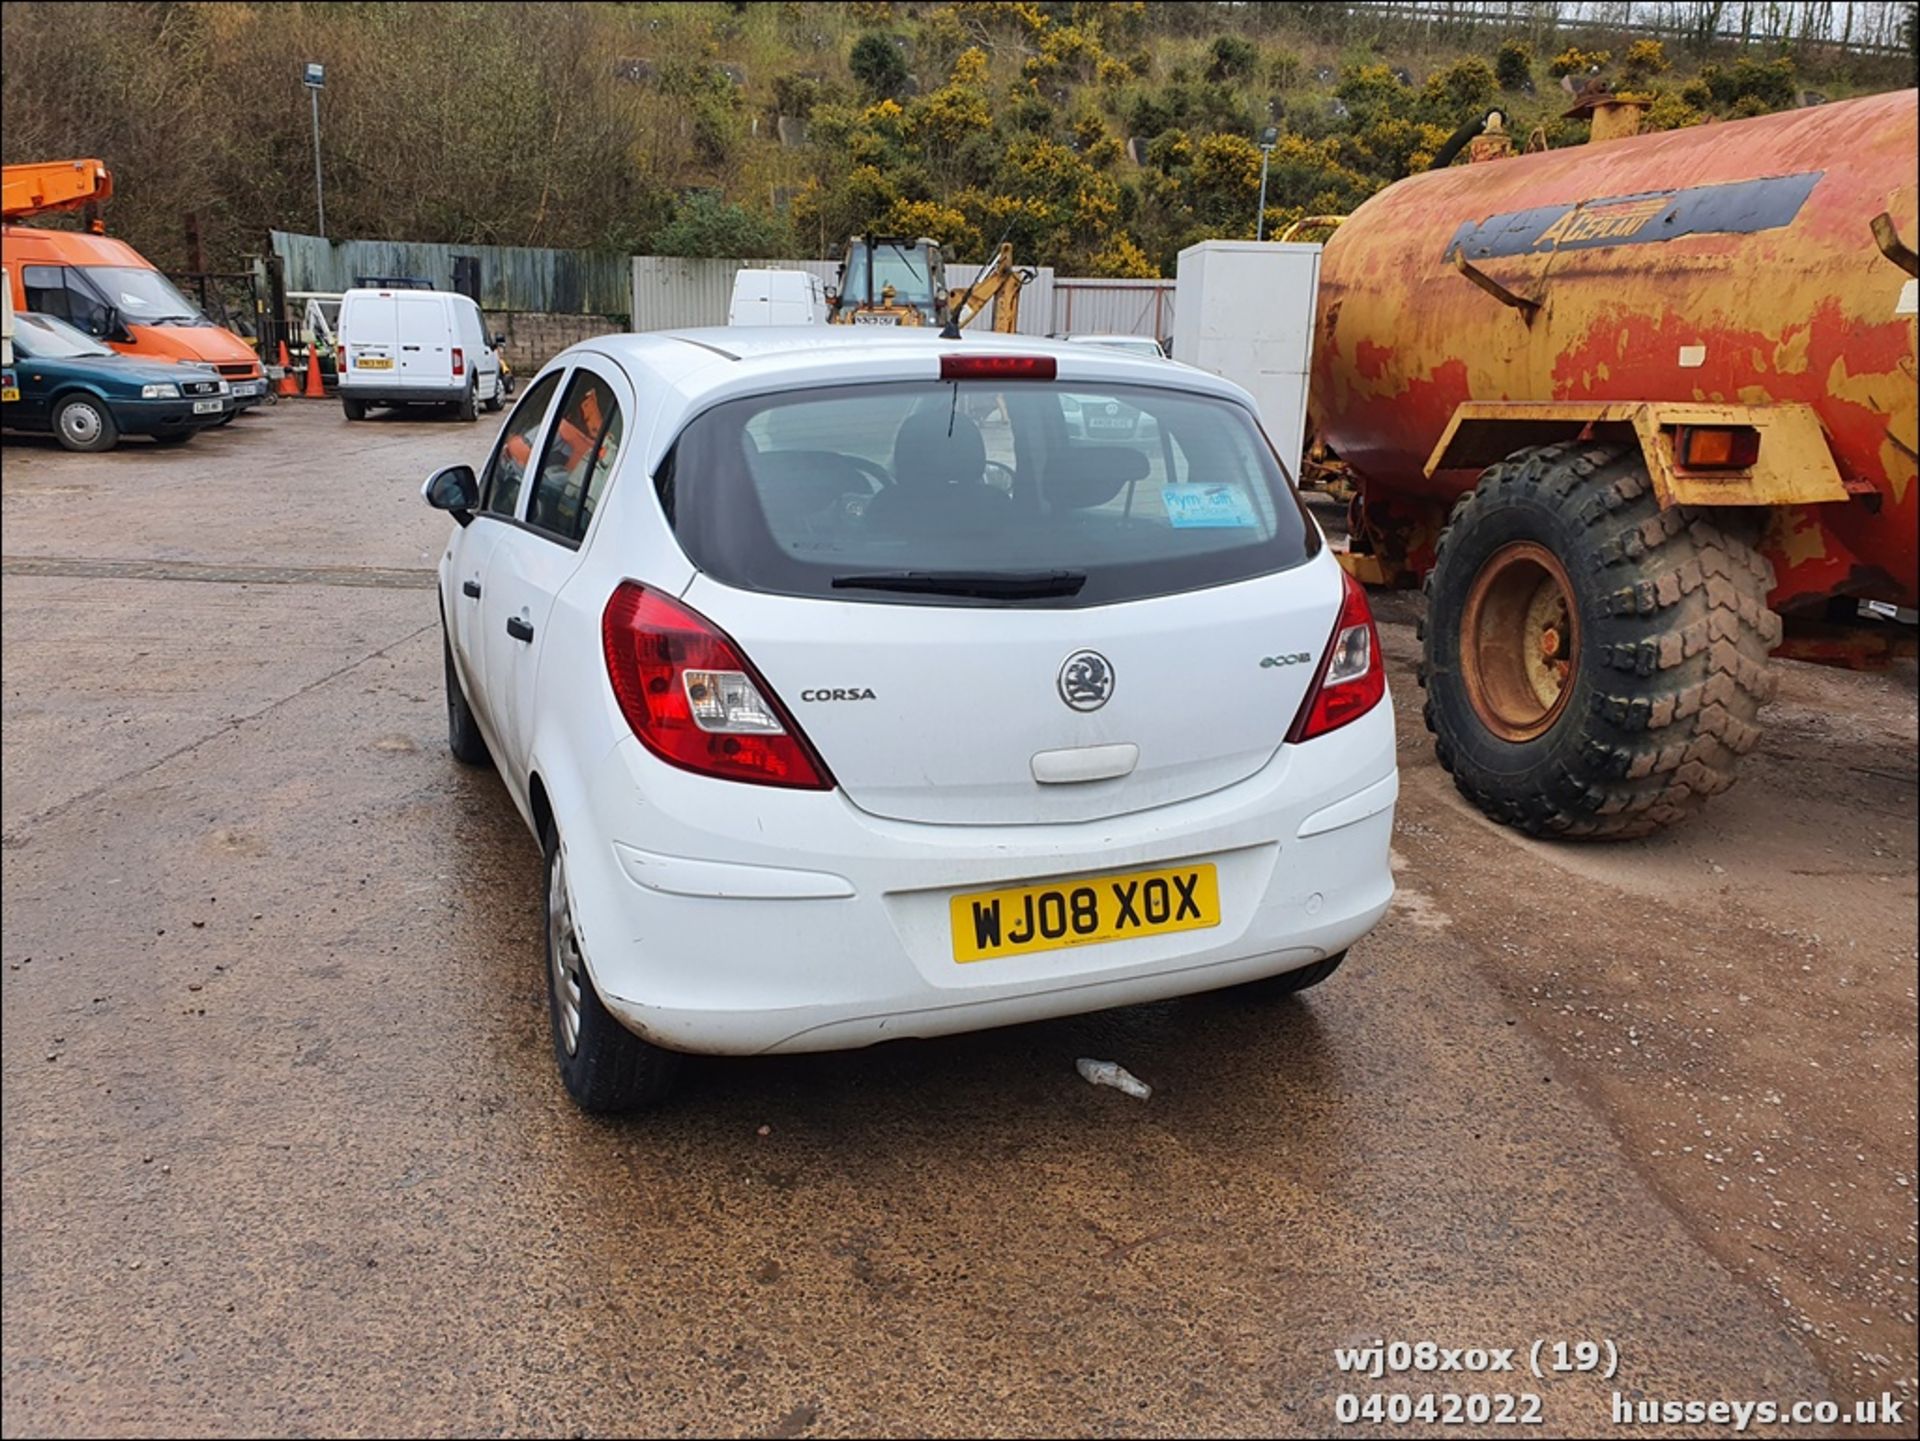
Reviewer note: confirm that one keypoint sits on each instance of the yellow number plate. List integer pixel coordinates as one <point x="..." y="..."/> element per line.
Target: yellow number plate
<point x="373" y="362"/>
<point x="9" y="393"/>
<point x="1083" y="912"/>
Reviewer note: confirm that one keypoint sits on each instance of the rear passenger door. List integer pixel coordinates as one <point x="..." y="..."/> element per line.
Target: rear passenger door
<point x="528" y="567"/>
<point x="503" y="493"/>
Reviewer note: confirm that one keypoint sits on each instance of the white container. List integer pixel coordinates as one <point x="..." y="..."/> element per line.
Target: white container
<point x="1244" y="310"/>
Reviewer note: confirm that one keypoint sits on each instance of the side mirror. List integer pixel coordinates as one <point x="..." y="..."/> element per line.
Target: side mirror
<point x="499" y="340"/>
<point x="455" y="490"/>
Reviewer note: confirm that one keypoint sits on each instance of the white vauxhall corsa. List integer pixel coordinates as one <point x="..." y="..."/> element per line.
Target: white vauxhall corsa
<point x="854" y="695"/>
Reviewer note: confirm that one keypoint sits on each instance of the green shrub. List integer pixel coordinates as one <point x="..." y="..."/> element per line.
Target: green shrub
<point x="1232" y="58"/>
<point x="1457" y="92"/>
<point x="1770" y="82"/>
<point x="1669" y="112"/>
<point x="876" y="62"/>
<point x="1149" y="117"/>
<point x="1575" y="61"/>
<point x="706" y="226"/>
<point x="1513" y="65"/>
<point x="1645" y="58"/>
<point x="795" y="95"/>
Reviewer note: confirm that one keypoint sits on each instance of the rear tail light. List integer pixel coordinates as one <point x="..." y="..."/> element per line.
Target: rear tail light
<point x="1352" y="676"/>
<point x="997" y="367"/>
<point x="459" y="362"/>
<point x="1716" y="447"/>
<point x="695" y="701"/>
<point x="343" y="358"/>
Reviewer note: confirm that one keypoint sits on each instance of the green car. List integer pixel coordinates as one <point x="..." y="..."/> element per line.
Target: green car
<point x="66" y="383"/>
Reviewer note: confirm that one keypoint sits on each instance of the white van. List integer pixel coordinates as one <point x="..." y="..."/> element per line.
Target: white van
<point x="777" y="297"/>
<point x="416" y="347"/>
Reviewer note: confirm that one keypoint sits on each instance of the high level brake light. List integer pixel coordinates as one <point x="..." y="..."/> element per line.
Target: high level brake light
<point x="695" y="701"/>
<point x="997" y="367"/>
<point x="1352" y="676"/>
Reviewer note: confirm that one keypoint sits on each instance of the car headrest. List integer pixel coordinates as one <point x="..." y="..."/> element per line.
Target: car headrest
<point x="1087" y="475"/>
<point x="925" y="454"/>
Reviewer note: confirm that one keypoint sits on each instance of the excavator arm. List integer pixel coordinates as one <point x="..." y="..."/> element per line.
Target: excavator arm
<point x="30" y="190"/>
<point x="999" y="282"/>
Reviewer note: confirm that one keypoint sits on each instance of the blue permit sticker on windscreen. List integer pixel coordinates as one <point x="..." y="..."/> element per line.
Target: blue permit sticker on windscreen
<point x="1197" y="506"/>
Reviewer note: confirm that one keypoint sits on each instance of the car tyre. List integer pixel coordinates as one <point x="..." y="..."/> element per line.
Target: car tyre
<point x="1289" y="983"/>
<point x="355" y="409"/>
<point x="470" y="403"/>
<point x="81" y="422"/>
<point x="604" y="1066"/>
<point x="497" y="399"/>
<point x="469" y="747"/>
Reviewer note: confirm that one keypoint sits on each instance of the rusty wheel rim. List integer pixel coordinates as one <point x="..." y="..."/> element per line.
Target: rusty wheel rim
<point x="1520" y="641"/>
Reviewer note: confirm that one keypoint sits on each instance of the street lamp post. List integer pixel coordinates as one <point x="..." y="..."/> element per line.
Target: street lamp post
<point x="1268" y="139"/>
<point x="313" y="77"/>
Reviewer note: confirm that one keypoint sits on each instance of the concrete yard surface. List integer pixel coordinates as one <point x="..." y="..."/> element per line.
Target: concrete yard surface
<point x="285" y="1151"/>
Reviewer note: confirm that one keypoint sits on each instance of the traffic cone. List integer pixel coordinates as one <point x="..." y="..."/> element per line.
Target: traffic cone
<point x="315" y="390"/>
<point x="286" y="384"/>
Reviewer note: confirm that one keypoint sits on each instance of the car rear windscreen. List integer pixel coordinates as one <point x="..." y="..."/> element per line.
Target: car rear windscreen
<point x="1045" y="493"/>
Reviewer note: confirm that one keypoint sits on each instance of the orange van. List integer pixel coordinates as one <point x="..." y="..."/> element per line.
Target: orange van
<point x="108" y="289"/>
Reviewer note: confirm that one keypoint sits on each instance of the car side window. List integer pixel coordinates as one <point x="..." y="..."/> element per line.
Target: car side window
<point x="580" y="452"/>
<point x="46" y="289"/>
<point x="500" y="487"/>
<point x="60" y="290"/>
<point x="602" y="467"/>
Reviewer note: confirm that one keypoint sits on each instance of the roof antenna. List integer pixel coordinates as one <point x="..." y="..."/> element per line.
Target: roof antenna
<point x="952" y="330"/>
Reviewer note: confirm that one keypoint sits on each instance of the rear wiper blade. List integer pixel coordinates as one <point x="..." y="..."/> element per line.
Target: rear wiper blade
<point x="998" y="584"/>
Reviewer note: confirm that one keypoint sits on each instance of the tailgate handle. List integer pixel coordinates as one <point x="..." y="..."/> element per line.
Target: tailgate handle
<point x="1085" y="763"/>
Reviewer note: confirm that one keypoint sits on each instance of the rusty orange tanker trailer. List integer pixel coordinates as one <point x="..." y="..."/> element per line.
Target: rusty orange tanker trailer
<point x="1641" y="413"/>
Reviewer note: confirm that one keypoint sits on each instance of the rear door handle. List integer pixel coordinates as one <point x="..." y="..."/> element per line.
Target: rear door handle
<point x="518" y="628"/>
<point x="471" y="589"/>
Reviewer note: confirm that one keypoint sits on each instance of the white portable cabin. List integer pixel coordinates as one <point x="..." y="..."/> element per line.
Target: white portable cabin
<point x="1244" y="310"/>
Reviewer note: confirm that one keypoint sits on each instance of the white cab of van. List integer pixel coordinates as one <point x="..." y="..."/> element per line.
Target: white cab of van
<point x="416" y="347"/>
<point x="777" y="297"/>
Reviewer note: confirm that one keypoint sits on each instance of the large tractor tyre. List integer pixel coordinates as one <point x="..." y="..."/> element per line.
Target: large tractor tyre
<point x="1594" y="665"/>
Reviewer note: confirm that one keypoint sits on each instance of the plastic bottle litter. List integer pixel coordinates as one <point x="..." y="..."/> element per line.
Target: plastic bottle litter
<point x="1112" y="1073"/>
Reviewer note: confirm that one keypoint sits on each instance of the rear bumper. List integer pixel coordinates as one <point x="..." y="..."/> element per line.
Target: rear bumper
<point x="403" y="394"/>
<point x="803" y="924"/>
